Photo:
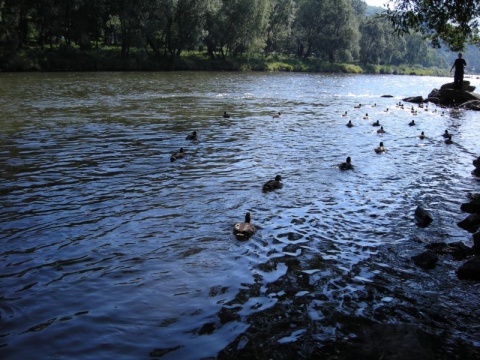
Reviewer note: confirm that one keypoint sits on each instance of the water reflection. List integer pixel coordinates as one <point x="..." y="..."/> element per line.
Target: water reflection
<point x="103" y="235"/>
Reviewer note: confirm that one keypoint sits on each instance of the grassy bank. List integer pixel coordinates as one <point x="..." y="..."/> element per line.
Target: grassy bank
<point x="109" y="59"/>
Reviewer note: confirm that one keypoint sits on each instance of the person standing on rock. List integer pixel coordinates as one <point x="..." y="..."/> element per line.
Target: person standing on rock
<point x="459" y="65"/>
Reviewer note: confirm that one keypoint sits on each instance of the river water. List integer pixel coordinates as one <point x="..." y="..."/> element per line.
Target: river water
<point x="111" y="251"/>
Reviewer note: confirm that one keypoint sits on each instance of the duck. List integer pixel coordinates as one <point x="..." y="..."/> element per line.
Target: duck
<point x="449" y="140"/>
<point x="347" y="165"/>
<point x="345" y="114"/>
<point x="380" y="131"/>
<point x="380" y="148"/>
<point x="192" y="136"/>
<point x="349" y="124"/>
<point x="358" y="106"/>
<point x="273" y="184"/>
<point x="225" y="115"/>
<point x="277" y="115"/>
<point x="245" y="229"/>
<point x="366" y="117"/>
<point x="446" y="134"/>
<point x="177" y="155"/>
<point x="386" y="110"/>
<point x="411" y="123"/>
<point x="422" y="135"/>
<point x="376" y="123"/>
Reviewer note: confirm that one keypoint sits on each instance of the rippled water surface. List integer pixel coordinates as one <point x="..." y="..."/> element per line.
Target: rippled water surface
<point x="111" y="251"/>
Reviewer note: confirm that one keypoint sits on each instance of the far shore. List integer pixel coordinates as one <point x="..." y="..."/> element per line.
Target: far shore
<point x="68" y="59"/>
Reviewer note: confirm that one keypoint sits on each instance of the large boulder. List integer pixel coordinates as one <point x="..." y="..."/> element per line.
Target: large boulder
<point x="471" y="223"/>
<point x="470" y="270"/>
<point x="471" y="207"/>
<point x="476" y="242"/>
<point x="458" y="96"/>
<point x="448" y="96"/>
<point x="471" y="105"/>
<point x="465" y="86"/>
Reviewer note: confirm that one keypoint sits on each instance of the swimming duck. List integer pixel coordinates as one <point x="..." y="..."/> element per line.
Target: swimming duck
<point x="347" y="165"/>
<point x="192" y="136"/>
<point x="386" y="110"/>
<point x="225" y="115"/>
<point x="411" y="123"/>
<point x="177" y="155"/>
<point x="380" y="131"/>
<point x="345" y="114"/>
<point x="449" y="140"/>
<point x="366" y="117"/>
<point x="358" y="106"/>
<point x="349" y="124"/>
<point x="446" y="134"/>
<point x="380" y="149"/>
<point x="273" y="184"/>
<point x="277" y="115"/>
<point x="422" y="135"/>
<point x="376" y="123"/>
<point x="244" y="230"/>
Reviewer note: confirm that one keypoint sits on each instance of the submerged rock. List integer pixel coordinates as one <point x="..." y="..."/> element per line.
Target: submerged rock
<point x="470" y="270"/>
<point x="458" y="250"/>
<point x="414" y="99"/>
<point x="426" y="260"/>
<point x="423" y="217"/>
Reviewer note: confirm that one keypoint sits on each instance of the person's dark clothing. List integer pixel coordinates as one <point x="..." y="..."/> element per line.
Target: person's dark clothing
<point x="459" y="65"/>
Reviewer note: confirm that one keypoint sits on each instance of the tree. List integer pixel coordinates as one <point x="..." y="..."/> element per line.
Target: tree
<point x="282" y="15"/>
<point x="327" y="28"/>
<point x="453" y="22"/>
<point x="233" y="26"/>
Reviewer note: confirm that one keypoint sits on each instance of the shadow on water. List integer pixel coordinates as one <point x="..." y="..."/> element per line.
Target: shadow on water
<point x="102" y="235"/>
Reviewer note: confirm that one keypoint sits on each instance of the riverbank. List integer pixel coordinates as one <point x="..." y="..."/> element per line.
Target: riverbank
<point x="109" y="59"/>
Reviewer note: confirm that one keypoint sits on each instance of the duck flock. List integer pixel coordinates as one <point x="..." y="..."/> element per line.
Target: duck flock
<point x="244" y="230"/>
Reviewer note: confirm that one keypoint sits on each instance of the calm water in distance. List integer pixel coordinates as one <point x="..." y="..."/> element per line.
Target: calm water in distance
<point x="110" y="251"/>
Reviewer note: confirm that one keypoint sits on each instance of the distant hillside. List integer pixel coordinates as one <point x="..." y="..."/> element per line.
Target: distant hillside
<point x="373" y="10"/>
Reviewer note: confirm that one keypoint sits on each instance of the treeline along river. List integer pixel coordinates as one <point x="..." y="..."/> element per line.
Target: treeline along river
<point x="111" y="251"/>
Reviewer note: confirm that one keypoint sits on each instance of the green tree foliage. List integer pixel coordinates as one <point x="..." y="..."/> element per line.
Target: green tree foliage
<point x="233" y="26"/>
<point x="453" y="22"/>
<point x="327" y="28"/>
<point x="279" y="28"/>
<point x="331" y="30"/>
